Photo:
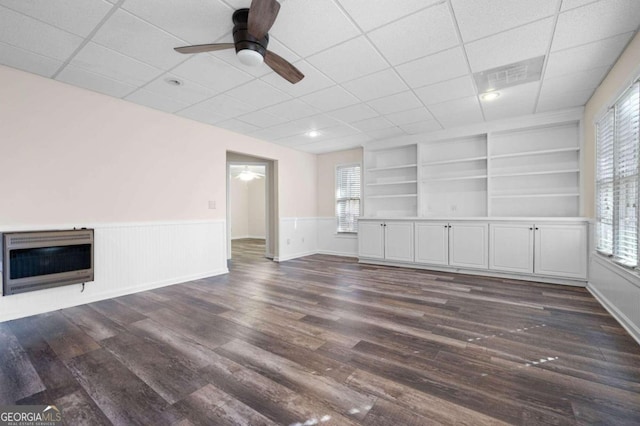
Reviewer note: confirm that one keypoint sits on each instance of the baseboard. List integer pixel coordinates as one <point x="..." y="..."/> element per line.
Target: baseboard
<point x="293" y="256"/>
<point x="622" y="319"/>
<point x="337" y="253"/>
<point x="112" y="294"/>
<point x="249" y="237"/>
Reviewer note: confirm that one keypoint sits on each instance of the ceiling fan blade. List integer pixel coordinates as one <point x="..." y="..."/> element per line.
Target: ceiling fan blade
<point x="199" y="48"/>
<point x="283" y="67"/>
<point x="262" y="15"/>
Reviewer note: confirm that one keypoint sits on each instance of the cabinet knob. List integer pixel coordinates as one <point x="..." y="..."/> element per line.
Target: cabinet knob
<point x="530" y="229"/>
<point x="537" y="229"/>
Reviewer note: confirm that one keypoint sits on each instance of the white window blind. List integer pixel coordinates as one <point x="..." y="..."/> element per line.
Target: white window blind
<point x="617" y="179"/>
<point x="604" y="184"/>
<point x="348" y="197"/>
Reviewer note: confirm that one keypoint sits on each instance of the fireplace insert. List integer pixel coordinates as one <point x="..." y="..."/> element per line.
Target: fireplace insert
<point x="43" y="259"/>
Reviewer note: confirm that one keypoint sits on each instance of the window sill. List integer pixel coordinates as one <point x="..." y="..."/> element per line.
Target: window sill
<point x="627" y="273"/>
<point x="348" y="235"/>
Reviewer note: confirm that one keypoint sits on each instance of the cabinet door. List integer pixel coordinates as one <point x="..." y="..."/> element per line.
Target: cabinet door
<point x="468" y="245"/>
<point x="399" y="241"/>
<point x="371" y="239"/>
<point x="432" y="243"/>
<point x="511" y="247"/>
<point x="561" y="250"/>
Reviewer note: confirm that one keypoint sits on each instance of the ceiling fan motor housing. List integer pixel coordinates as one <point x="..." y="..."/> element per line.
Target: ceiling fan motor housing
<point x="241" y="37"/>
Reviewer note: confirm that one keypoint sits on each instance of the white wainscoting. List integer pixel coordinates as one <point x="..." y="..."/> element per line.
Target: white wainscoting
<point x="330" y="242"/>
<point x="130" y="258"/>
<point x="618" y="291"/>
<point x="298" y="237"/>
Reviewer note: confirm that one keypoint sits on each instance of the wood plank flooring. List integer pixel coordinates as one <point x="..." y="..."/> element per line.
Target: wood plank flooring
<point x="324" y="340"/>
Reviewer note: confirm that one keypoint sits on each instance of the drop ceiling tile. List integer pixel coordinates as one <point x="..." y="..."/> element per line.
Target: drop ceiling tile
<point x="201" y="114"/>
<point x="595" y="21"/>
<point x="572" y="4"/>
<point x="313" y="81"/>
<point x="291" y="110"/>
<point x="396" y="103"/>
<point x="261" y="119"/>
<point x="435" y="68"/>
<point x="593" y="55"/>
<point x="421" y="127"/>
<point x="340" y="131"/>
<point x="372" y="14"/>
<point x="28" y="61"/>
<point x="195" y="21"/>
<point x="237" y="126"/>
<point x="316" y="122"/>
<point x="211" y="72"/>
<point x="91" y="81"/>
<point x="222" y="106"/>
<point x="156" y="101"/>
<point x="189" y="92"/>
<point x="330" y="99"/>
<point x="409" y="116"/>
<point x="29" y="34"/>
<point x="513" y="101"/>
<point x="515" y="45"/>
<point x="309" y="26"/>
<point x="481" y="18"/>
<point x="258" y="94"/>
<point x="76" y="16"/>
<point x="114" y="65"/>
<point x="332" y="145"/>
<point x="576" y="82"/>
<point x="389" y="132"/>
<point x="550" y="101"/>
<point x="459" y="112"/>
<point x="447" y="90"/>
<point x="134" y="37"/>
<point x="417" y="35"/>
<point x="373" y="124"/>
<point x="354" y="113"/>
<point x="378" y="85"/>
<point x="351" y="59"/>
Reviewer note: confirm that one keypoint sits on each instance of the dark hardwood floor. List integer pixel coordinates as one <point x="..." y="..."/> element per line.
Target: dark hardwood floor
<point x="324" y="340"/>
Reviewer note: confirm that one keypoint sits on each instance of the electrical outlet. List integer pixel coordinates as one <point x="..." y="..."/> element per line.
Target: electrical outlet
<point x="303" y="239"/>
<point x="212" y="205"/>
<point x="454" y="208"/>
<point x="288" y="241"/>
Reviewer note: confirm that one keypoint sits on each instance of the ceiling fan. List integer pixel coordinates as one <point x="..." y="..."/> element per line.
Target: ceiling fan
<point x="244" y="174"/>
<point x="250" y="39"/>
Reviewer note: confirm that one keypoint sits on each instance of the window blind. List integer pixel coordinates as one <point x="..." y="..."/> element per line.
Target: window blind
<point x="625" y="189"/>
<point x="348" y="190"/>
<point x="617" y="179"/>
<point x="604" y="184"/>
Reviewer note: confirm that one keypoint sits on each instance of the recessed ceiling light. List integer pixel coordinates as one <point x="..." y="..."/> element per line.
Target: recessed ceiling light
<point x="173" y="82"/>
<point x="313" y="133"/>
<point x="490" y="96"/>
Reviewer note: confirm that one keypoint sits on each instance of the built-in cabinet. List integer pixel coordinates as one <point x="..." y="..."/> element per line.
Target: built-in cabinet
<point x="389" y="240"/>
<point x="452" y="244"/>
<point x="530" y="172"/>
<point x="525" y="249"/>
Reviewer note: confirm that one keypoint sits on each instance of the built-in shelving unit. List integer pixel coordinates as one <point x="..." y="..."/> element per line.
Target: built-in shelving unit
<point x="391" y="182"/>
<point x="530" y="172"/>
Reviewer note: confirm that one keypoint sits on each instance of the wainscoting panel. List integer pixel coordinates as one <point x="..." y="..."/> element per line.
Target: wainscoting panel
<point x="330" y="242"/>
<point x="129" y="258"/>
<point x="618" y="291"/>
<point x="298" y="237"/>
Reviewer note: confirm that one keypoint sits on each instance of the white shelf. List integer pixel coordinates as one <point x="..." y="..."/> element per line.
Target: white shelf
<point x="459" y="160"/>
<point x="546" y="172"/>
<point x="571" y="194"/>
<point x="394" y="196"/>
<point x="455" y="178"/>
<point x="402" y="166"/>
<point x="541" y="152"/>
<point x="392" y="183"/>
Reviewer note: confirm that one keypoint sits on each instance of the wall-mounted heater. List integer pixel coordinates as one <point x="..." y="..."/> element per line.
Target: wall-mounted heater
<point x="43" y="259"/>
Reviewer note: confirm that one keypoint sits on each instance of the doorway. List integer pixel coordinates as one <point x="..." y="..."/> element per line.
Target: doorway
<point x="251" y="203"/>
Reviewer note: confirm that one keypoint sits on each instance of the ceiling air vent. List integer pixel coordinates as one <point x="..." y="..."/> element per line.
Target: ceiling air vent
<point x="509" y="75"/>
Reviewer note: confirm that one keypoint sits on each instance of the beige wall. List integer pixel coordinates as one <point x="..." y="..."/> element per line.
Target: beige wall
<point x="256" y="214"/>
<point x="68" y="156"/>
<point x="327" y="177"/>
<point x="239" y="206"/>
<point x="619" y="78"/>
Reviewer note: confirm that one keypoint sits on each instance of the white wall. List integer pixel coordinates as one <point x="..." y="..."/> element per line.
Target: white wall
<point x="616" y="288"/>
<point x="256" y="210"/>
<point x="239" y="206"/>
<point x="71" y="157"/>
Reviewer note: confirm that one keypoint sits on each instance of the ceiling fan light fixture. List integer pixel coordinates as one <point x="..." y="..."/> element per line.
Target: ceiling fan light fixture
<point x="247" y="176"/>
<point x="490" y="96"/>
<point x="250" y="58"/>
<point x="313" y="133"/>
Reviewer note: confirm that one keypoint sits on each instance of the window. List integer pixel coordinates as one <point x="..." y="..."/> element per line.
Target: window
<point x="618" y="146"/>
<point x="348" y="197"/>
